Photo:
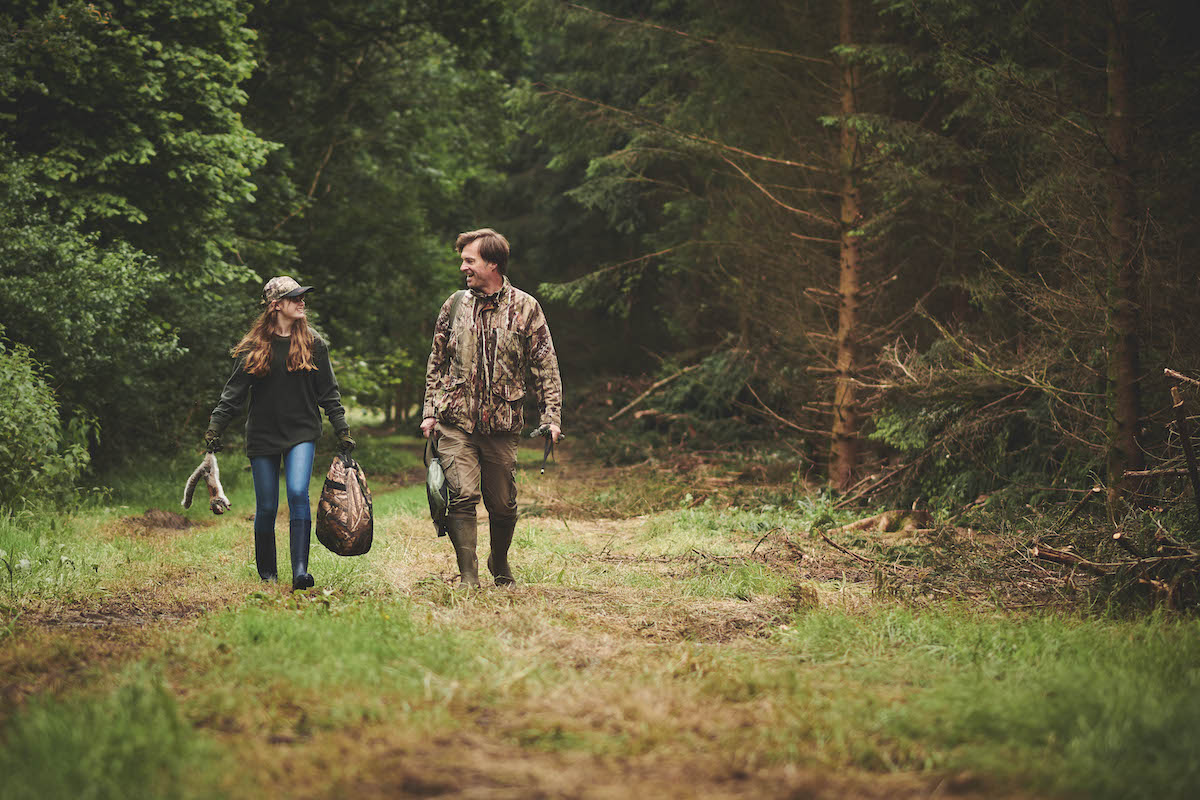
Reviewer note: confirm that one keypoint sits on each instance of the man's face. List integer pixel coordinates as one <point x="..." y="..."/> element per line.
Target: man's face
<point x="480" y="274"/>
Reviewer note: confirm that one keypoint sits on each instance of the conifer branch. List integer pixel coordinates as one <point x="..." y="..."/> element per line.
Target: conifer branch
<point x="762" y="50"/>
<point x="683" y="134"/>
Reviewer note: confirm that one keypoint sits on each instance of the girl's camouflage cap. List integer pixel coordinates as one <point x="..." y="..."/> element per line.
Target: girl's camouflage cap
<point x="283" y="286"/>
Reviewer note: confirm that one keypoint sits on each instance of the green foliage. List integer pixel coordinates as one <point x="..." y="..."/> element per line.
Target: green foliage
<point x="106" y="747"/>
<point x="124" y="159"/>
<point x="40" y="457"/>
<point x="375" y="383"/>
<point x="130" y="113"/>
<point x="911" y="430"/>
<point x="85" y="310"/>
<point x="391" y="121"/>
<point x="991" y="447"/>
<point x="711" y="390"/>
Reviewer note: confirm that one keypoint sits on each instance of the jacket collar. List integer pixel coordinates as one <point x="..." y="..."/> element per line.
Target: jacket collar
<point x="491" y="300"/>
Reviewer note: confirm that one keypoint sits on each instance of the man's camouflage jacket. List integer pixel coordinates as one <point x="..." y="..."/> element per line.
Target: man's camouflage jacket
<point x="475" y="378"/>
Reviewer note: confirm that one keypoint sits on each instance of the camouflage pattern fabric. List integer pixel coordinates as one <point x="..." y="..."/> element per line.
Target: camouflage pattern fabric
<point x="475" y="378"/>
<point x="345" y="512"/>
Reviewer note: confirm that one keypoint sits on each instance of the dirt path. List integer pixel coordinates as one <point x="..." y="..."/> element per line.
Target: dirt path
<point x="602" y="600"/>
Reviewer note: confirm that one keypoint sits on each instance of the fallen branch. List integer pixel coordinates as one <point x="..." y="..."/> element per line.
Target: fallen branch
<point x="851" y="553"/>
<point x="653" y="388"/>
<point x="854" y="496"/>
<point x="724" y="561"/>
<point x="890" y="522"/>
<point x="1067" y="558"/>
<point x="1185" y="438"/>
<point x="1170" y="373"/>
<point x="1126" y="545"/>
<point x="1079" y="507"/>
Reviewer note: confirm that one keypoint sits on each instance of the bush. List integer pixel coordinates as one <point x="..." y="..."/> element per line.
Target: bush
<point x="39" y="459"/>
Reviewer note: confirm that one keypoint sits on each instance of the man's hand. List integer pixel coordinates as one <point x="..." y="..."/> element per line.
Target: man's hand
<point x="212" y="441"/>
<point x="427" y="425"/>
<point x="548" y="429"/>
<point x="346" y="444"/>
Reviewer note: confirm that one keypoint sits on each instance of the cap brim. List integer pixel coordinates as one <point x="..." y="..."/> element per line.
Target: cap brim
<point x="296" y="292"/>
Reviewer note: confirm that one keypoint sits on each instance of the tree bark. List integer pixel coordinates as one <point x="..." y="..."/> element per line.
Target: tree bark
<point x="1123" y="392"/>
<point x="845" y="445"/>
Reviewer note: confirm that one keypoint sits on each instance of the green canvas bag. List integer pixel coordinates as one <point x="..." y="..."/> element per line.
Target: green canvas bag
<point x="437" y="490"/>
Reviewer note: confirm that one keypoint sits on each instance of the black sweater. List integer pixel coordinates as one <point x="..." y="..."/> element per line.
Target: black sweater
<point x="284" y="406"/>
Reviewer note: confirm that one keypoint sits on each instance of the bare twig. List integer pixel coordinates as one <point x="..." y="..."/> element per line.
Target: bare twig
<point x="1185" y="438"/>
<point x="683" y="134"/>
<point x="1078" y="507"/>
<point x="764" y="538"/>
<point x="851" y="553"/>
<point x="653" y="388"/>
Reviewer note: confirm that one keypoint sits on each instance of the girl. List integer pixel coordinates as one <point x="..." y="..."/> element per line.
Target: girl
<point x="284" y="370"/>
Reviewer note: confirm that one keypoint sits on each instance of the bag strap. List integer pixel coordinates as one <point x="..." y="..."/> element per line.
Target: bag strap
<point x="456" y="304"/>
<point x="431" y="447"/>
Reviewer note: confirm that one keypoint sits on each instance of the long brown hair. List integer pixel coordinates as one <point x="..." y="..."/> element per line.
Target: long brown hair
<point x="256" y="344"/>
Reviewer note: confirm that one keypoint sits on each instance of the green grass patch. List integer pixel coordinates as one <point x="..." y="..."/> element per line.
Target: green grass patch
<point x="320" y="660"/>
<point x="408" y="501"/>
<point x="1097" y="708"/>
<point x="130" y="742"/>
<point x="738" y="582"/>
<point x="53" y="555"/>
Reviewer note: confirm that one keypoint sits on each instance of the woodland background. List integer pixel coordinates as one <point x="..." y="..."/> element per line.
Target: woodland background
<point x="936" y="250"/>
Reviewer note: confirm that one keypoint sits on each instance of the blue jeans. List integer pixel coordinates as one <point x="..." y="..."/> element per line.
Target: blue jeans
<point x="297" y="470"/>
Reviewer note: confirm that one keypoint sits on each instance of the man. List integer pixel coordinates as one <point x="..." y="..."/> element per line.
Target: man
<point x="475" y="397"/>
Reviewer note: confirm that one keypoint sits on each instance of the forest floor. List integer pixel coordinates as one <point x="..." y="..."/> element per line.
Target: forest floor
<point x="667" y="638"/>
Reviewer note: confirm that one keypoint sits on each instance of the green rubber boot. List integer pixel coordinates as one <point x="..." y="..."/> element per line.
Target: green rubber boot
<point x="462" y="533"/>
<point x="501" y="536"/>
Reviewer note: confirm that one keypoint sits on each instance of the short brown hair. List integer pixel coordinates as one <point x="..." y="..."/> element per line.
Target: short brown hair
<point x="493" y="247"/>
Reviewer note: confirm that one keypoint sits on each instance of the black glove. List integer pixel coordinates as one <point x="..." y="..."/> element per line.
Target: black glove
<point x="346" y="445"/>
<point x="212" y="441"/>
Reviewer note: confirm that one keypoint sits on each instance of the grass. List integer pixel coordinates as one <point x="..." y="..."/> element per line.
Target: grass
<point x="1090" y="707"/>
<point x="48" y="555"/>
<point x="328" y="662"/>
<point x="132" y="741"/>
<point x="690" y="639"/>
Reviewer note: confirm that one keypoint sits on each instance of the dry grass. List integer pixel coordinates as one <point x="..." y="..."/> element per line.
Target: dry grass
<point x="618" y="637"/>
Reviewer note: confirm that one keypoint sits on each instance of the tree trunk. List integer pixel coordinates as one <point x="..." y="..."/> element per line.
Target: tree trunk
<point x="1123" y="395"/>
<point x="845" y="445"/>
